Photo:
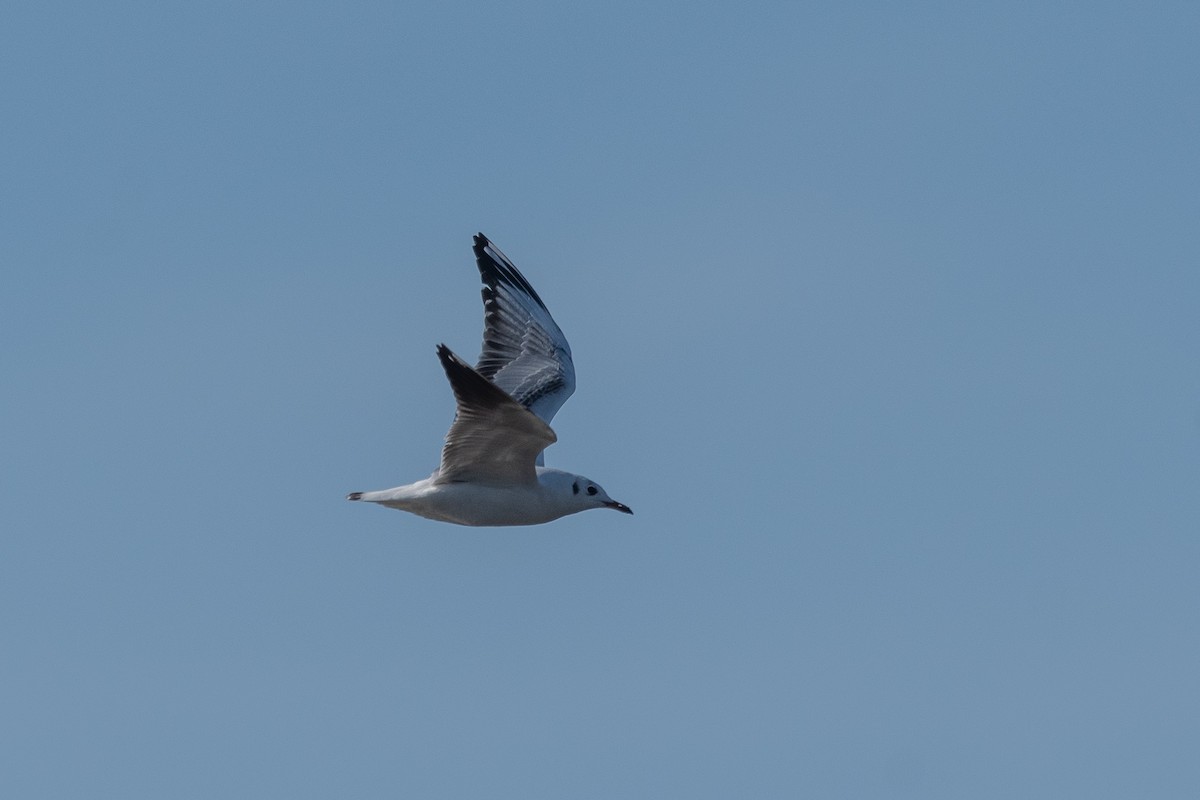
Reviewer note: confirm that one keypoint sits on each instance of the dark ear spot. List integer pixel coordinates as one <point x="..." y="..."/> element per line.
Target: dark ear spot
<point x="575" y="487"/>
<point x="592" y="490"/>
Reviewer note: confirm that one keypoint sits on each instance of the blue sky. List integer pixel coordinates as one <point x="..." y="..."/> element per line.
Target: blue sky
<point x="885" y="323"/>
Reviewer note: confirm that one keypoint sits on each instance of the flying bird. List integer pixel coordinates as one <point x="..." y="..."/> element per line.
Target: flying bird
<point x="492" y="470"/>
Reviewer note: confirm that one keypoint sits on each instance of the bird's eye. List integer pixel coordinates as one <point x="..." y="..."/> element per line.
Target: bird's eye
<point x="592" y="490"/>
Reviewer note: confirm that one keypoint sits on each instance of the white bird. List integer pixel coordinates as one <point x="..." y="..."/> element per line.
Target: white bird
<point x="492" y="470"/>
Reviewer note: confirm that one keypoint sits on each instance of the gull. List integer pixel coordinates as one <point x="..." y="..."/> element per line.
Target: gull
<point x="492" y="470"/>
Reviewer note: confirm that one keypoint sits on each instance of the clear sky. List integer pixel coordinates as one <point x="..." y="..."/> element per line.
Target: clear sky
<point x="885" y="318"/>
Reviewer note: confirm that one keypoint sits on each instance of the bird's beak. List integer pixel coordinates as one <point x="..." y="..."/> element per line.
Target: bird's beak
<point x="613" y="504"/>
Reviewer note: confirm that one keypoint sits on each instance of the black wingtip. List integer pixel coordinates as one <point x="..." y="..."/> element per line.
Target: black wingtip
<point x="495" y="267"/>
<point x="449" y="358"/>
<point x="479" y="247"/>
<point x="470" y="388"/>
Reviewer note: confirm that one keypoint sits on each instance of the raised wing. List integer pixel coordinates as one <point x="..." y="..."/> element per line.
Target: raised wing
<point x="524" y="351"/>
<point x="493" y="439"/>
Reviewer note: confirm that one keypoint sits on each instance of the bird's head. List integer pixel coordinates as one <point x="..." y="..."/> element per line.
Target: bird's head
<point x="584" y="493"/>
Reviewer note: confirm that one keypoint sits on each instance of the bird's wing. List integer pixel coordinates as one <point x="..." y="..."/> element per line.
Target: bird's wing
<point x="524" y="351"/>
<point x="493" y="439"/>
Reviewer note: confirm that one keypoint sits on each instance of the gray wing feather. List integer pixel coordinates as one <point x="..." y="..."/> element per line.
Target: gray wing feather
<point x="493" y="438"/>
<point x="524" y="350"/>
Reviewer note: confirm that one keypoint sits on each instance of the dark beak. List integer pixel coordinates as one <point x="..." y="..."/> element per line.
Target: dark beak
<point x="613" y="504"/>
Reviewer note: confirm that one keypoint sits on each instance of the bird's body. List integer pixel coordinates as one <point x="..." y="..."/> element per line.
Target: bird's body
<point x="464" y="503"/>
<point x="491" y="470"/>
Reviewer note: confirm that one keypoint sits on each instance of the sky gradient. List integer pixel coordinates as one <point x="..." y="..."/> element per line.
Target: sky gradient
<point x="885" y="325"/>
